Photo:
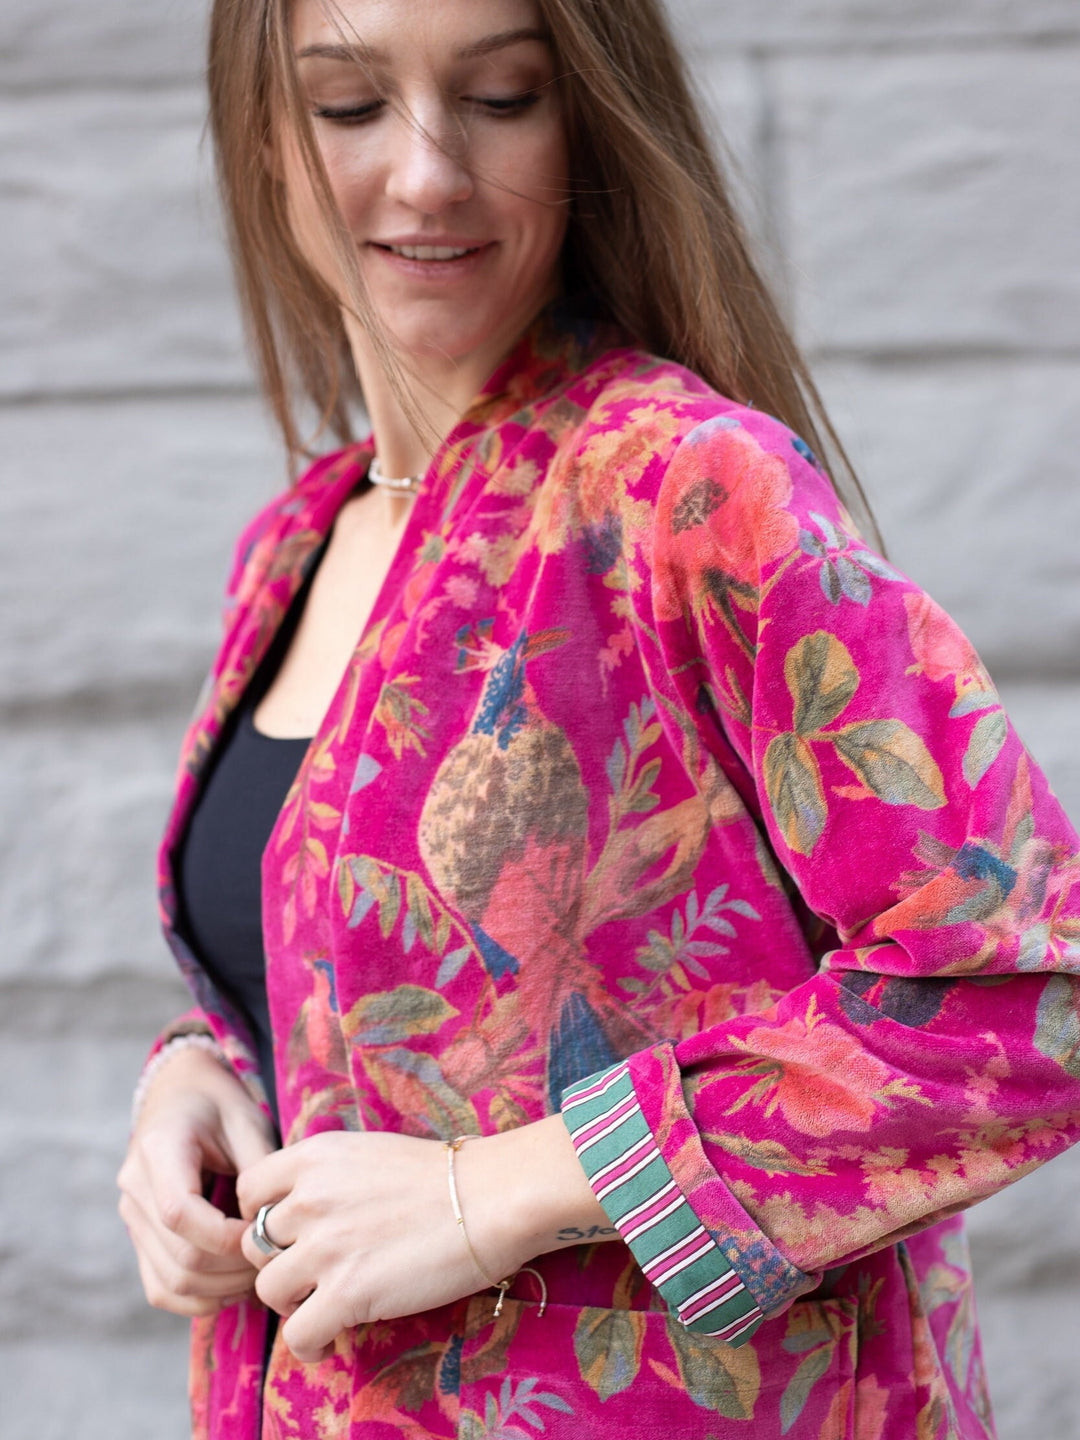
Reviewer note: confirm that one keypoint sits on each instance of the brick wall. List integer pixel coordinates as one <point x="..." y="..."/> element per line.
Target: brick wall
<point x="915" y="166"/>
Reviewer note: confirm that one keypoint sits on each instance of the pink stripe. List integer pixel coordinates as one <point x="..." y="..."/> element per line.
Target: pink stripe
<point x="595" y="1089"/>
<point x="626" y="1161"/>
<point x="647" y="1214"/>
<point x="729" y="1332"/>
<point x="660" y="1270"/>
<point x="715" y="1295"/>
<point x="610" y="1120"/>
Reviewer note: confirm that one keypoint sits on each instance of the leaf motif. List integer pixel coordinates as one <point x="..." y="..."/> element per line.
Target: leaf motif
<point x="984" y="747"/>
<point x="322" y="815"/>
<point x="892" y="761"/>
<point x="973" y="700"/>
<point x="798" y="1388"/>
<point x="388" y="1016"/>
<point x="442" y="932"/>
<point x="853" y="582"/>
<point x="451" y="964"/>
<point x="390" y="906"/>
<point x="867" y="560"/>
<point x="362" y="904"/>
<point x="768" y="1155"/>
<point x="346" y="888"/>
<point x="830" y="583"/>
<point x="796" y="795"/>
<point x="420" y="910"/>
<point x="1057" y="1025"/>
<point x="608" y="1344"/>
<point x="642" y="798"/>
<point x="616" y="767"/>
<point x="828" y="529"/>
<point x="718" y="1377"/>
<point x="822" y="678"/>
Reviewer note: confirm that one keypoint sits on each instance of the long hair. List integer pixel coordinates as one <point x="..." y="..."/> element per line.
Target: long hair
<point x="653" y="236"/>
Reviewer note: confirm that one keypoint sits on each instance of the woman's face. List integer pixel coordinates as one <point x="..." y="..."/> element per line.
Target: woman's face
<point x="440" y="127"/>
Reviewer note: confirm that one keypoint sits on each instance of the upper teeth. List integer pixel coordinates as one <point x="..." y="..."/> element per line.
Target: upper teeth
<point x="428" y="252"/>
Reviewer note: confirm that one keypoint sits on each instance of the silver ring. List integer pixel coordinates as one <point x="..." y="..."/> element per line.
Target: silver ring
<point x="260" y="1237"/>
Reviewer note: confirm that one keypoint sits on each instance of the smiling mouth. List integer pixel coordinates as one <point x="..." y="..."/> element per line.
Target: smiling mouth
<point x="429" y="252"/>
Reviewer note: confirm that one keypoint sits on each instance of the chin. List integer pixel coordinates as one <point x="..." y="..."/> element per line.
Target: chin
<point x="426" y="338"/>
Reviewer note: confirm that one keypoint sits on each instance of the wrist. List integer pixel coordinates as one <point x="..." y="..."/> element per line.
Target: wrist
<point x="186" y="1061"/>
<point x="524" y="1192"/>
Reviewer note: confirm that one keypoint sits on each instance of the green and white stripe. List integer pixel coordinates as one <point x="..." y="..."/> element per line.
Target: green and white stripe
<point x="637" y="1190"/>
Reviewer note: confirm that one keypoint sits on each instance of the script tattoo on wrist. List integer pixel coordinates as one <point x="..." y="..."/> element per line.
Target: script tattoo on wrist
<point x="570" y="1233"/>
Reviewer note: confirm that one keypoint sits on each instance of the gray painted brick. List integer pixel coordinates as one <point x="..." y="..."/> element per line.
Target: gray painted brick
<point x="1029" y="1342"/>
<point x="88" y="1387"/>
<point x="81" y="811"/>
<point x="929" y="200"/>
<point x="111" y="268"/>
<point x="46" y="41"/>
<point x="972" y="471"/>
<point x="1048" y="720"/>
<point x="66" y="1187"/>
<point x="811" y="24"/>
<point x="1025" y="1239"/>
<point x="117" y="522"/>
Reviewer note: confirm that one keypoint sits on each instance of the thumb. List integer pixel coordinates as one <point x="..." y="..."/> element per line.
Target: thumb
<point x="247" y="1136"/>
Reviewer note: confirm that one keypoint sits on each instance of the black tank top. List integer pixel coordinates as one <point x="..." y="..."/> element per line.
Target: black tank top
<point x="219" y="862"/>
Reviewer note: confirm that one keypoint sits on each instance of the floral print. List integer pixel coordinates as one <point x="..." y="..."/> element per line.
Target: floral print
<point x="653" y="796"/>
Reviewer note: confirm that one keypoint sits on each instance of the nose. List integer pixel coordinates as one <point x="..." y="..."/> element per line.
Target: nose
<point x="428" y="168"/>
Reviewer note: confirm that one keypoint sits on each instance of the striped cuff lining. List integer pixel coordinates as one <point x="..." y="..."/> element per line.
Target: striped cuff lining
<point x="630" y="1178"/>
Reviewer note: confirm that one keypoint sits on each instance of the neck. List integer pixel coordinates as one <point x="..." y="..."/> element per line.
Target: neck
<point x="441" y="390"/>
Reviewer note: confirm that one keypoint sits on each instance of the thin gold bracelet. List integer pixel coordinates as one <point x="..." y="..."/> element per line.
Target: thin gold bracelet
<point x="452" y="1147"/>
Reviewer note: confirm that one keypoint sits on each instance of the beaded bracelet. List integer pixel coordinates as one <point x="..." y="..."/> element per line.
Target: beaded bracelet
<point x="193" y="1039"/>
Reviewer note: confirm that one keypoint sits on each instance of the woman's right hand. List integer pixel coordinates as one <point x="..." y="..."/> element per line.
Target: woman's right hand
<point x="196" y="1118"/>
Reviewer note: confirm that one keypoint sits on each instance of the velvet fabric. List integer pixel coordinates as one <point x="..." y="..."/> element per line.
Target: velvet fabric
<point x="648" y="773"/>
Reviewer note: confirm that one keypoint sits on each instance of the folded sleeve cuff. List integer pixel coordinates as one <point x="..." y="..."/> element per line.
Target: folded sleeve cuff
<point x="632" y="1181"/>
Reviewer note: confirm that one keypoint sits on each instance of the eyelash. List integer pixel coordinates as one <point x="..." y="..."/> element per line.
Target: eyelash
<point x="501" y="108"/>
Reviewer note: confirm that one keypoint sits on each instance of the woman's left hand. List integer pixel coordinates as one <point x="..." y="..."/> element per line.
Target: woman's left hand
<point x="370" y="1232"/>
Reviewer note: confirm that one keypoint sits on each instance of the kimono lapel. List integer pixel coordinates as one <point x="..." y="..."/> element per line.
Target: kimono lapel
<point x="271" y="575"/>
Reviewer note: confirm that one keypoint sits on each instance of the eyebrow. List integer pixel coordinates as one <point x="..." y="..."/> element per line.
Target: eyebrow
<point x="358" y="51"/>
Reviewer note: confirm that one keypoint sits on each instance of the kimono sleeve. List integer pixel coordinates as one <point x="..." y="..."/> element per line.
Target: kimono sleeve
<point x="934" y="1056"/>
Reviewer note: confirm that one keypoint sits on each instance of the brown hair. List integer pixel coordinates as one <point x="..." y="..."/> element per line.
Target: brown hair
<point x="653" y="236"/>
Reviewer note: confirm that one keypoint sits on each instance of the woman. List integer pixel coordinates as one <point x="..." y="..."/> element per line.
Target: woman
<point x="655" y="831"/>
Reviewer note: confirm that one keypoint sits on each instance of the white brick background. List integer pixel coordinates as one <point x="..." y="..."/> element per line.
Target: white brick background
<point x="916" y="165"/>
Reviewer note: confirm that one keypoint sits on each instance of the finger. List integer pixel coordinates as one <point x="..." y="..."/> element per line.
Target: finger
<point x="173" y="1278"/>
<point x="312" y="1328"/>
<point x="286" y="1280"/>
<point x="161" y="1297"/>
<point x="269" y="1179"/>
<point x="176" y="1184"/>
<point x="248" y="1137"/>
<point x="180" y="1252"/>
<point x="277" y="1229"/>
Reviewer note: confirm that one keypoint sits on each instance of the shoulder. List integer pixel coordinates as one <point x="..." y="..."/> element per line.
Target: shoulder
<point x="707" y="476"/>
<point x="644" y="401"/>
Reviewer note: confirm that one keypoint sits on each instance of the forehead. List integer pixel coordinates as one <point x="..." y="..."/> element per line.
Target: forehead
<point x="398" y="31"/>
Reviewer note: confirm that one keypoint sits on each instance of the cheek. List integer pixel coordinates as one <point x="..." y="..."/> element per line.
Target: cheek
<point x="534" y="184"/>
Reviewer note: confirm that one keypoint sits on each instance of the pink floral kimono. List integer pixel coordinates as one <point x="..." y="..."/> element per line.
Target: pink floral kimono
<point x="654" y="795"/>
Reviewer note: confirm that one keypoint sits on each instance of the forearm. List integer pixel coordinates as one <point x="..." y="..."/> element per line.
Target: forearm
<point x="524" y="1193"/>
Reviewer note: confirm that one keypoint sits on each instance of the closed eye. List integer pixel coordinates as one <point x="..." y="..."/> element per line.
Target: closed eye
<point x="352" y="115"/>
<point x="501" y="105"/>
<point x="506" y="104"/>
